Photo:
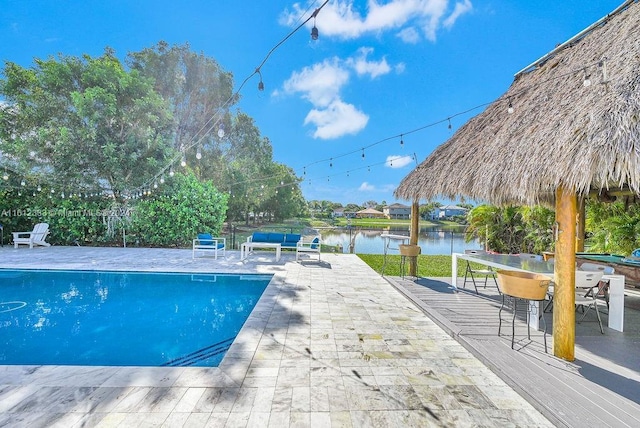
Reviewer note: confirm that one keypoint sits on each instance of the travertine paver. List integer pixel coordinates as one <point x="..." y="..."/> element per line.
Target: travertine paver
<point x="329" y="344"/>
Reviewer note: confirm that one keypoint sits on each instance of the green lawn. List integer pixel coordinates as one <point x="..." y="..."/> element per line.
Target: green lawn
<point x="428" y="265"/>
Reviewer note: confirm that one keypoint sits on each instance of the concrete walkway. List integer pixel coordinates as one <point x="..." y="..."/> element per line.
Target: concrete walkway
<point x="329" y="344"/>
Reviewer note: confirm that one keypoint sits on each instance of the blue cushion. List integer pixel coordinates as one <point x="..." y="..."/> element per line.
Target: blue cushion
<point x="205" y="239"/>
<point x="292" y="237"/>
<point x="276" y="237"/>
<point x="314" y="243"/>
<point x="260" y="237"/>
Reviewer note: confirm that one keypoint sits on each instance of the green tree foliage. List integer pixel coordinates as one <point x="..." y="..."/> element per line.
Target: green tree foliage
<point x="283" y="198"/>
<point x="174" y="215"/>
<point x="197" y="90"/>
<point x="612" y="227"/>
<point x="73" y="219"/>
<point x="426" y="209"/>
<point x="512" y="229"/>
<point x="85" y="122"/>
<point x="85" y="125"/>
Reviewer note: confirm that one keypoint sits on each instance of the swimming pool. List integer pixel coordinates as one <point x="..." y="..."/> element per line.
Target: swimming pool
<point x="101" y="318"/>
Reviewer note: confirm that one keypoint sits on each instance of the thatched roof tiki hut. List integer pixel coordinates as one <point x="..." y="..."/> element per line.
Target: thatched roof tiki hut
<point x="567" y="128"/>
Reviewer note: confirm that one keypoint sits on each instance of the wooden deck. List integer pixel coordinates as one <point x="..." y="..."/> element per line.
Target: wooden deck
<point x="600" y="388"/>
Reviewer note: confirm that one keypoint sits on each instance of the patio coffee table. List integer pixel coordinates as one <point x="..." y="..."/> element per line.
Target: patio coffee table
<point x="247" y="247"/>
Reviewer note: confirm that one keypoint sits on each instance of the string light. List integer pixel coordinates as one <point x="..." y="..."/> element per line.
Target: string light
<point x="587" y="78"/>
<point x="603" y="66"/>
<point x="314" y="30"/>
<point x="260" y="83"/>
<point x="183" y="161"/>
<point x="198" y="154"/>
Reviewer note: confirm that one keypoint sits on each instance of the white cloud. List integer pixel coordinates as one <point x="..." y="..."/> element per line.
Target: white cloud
<point x="372" y="68"/>
<point x="409" y="35"/>
<point x="319" y="84"/>
<point x="348" y="20"/>
<point x="396" y="161"/>
<point x="459" y="9"/>
<point x="366" y="187"/>
<point x="322" y="84"/>
<point x="336" y="120"/>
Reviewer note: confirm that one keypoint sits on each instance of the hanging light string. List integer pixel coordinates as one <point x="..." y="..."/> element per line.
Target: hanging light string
<point x="368" y="167"/>
<point x="601" y="63"/>
<point x="216" y="117"/>
<point x="583" y="71"/>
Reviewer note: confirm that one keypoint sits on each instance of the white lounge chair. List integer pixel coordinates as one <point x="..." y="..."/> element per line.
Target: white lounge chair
<point x="207" y="244"/>
<point x="35" y="237"/>
<point x="312" y="247"/>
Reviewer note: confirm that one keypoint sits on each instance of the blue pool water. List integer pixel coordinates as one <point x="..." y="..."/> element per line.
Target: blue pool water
<point x="122" y="318"/>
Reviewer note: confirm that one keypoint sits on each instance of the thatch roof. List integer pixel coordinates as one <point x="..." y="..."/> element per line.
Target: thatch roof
<point x="561" y="132"/>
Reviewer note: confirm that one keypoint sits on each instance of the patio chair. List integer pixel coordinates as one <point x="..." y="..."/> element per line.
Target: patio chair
<point x="586" y="283"/>
<point x="35" y="237"/>
<point x="312" y="247"/>
<point x="207" y="244"/>
<point x="602" y="292"/>
<point x="470" y="272"/>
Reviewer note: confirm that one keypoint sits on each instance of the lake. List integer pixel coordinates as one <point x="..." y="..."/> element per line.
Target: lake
<point x="431" y="240"/>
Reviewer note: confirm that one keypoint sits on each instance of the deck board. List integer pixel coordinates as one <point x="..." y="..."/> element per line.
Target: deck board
<point x="590" y="391"/>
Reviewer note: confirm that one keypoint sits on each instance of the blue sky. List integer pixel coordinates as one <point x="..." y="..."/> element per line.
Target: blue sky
<point x="381" y="72"/>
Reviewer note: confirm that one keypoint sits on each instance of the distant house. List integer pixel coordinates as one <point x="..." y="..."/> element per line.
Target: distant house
<point x="397" y="211"/>
<point x="338" y="212"/>
<point x="446" y="211"/>
<point x="370" y="213"/>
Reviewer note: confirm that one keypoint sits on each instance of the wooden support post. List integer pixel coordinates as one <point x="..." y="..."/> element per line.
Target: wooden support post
<point x="564" y="316"/>
<point x="413" y="236"/>
<point x="580" y="228"/>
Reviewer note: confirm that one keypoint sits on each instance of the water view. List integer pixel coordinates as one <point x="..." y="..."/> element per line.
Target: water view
<point x="369" y="241"/>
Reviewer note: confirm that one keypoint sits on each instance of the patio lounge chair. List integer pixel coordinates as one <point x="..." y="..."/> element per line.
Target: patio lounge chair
<point x="207" y="244"/>
<point x="308" y="247"/>
<point x="35" y="237"/>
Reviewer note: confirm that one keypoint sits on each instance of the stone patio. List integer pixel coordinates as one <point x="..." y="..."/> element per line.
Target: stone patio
<point x="329" y="344"/>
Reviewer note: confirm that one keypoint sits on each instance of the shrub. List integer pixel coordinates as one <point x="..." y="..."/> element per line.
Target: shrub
<point x="174" y="215"/>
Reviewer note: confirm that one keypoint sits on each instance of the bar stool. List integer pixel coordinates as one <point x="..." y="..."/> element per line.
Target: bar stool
<point x="407" y="250"/>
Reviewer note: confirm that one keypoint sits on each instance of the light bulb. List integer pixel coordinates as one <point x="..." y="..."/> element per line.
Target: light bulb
<point x="198" y="155"/>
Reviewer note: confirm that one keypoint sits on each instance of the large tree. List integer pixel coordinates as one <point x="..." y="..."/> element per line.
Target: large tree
<point x="83" y="124"/>
<point x="197" y="89"/>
